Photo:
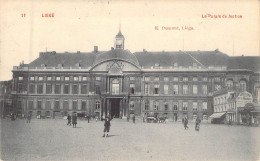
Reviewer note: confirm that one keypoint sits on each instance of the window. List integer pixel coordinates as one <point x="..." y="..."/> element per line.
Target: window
<point x="20" y="78"/>
<point x="39" y="88"/>
<point x="166" y="79"/>
<point x="205" y="79"/>
<point x="132" y="105"/>
<point x="175" y="89"/>
<point x="156" y="79"/>
<point x="229" y="83"/>
<point x="40" y="78"/>
<point x="30" y="105"/>
<point x="195" y="89"/>
<point x="98" y="78"/>
<point x="67" y="78"/>
<point x="75" y="105"/>
<point x="39" y="104"/>
<point x="156" y="105"/>
<point x="48" y="104"/>
<point x="175" y="106"/>
<point x="115" y="86"/>
<point x="83" y="105"/>
<point x="157" y="66"/>
<point x="132" y="88"/>
<point x="20" y="87"/>
<point x="146" y="105"/>
<point x="242" y="85"/>
<point x="217" y="79"/>
<point x="75" y="89"/>
<point x="194" y="79"/>
<point x="185" y="89"/>
<point x="175" y="65"/>
<point x="146" y="88"/>
<point x="57" y="78"/>
<point x="84" y="89"/>
<point x="185" y="106"/>
<point x="194" y="106"/>
<point x="97" y="105"/>
<point x="204" y="106"/>
<point x="166" y="106"/>
<point x="31" y="88"/>
<point x="147" y="79"/>
<point x="132" y="78"/>
<point x="48" y="88"/>
<point x="217" y="87"/>
<point x="66" y="104"/>
<point x="31" y="78"/>
<point x="175" y="79"/>
<point x="76" y="78"/>
<point x="57" y="88"/>
<point x="66" y="89"/>
<point x="19" y="105"/>
<point x="166" y="89"/>
<point x="185" y="79"/>
<point x="84" y="78"/>
<point x="98" y="89"/>
<point x="49" y="78"/>
<point x="204" y="89"/>
<point x="57" y="105"/>
<point x="156" y="89"/>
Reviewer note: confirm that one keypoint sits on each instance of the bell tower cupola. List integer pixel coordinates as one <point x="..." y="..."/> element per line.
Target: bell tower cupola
<point x="119" y="40"/>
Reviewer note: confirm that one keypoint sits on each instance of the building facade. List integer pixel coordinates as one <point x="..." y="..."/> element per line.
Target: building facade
<point x="120" y="83"/>
<point x="5" y="98"/>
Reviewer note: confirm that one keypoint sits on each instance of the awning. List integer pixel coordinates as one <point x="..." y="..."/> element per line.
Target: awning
<point x="217" y="115"/>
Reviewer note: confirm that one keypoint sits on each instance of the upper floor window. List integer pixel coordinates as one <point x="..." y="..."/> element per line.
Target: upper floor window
<point x="195" y="79"/>
<point x="146" y="105"/>
<point x="204" y="106"/>
<point x="115" y="86"/>
<point x="175" y="65"/>
<point x="166" y="79"/>
<point x="75" y="105"/>
<point x="242" y="85"/>
<point x="156" y="89"/>
<point x="132" y="78"/>
<point x="175" y="106"/>
<point x="84" y="89"/>
<point x="195" y="106"/>
<point x="185" y="106"/>
<point x="20" y="78"/>
<point x="49" y="78"/>
<point x="156" y="79"/>
<point x="156" y="105"/>
<point x="75" y="78"/>
<point x="31" y="78"/>
<point x="195" y="89"/>
<point x="147" y="79"/>
<point x="185" y="89"/>
<point x="166" y="89"/>
<point x="229" y="83"/>
<point x="217" y="79"/>
<point x="84" y="78"/>
<point x="217" y="87"/>
<point x="205" y="79"/>
<point x="204" y="89"/>
<point x="175" y="88"/>
<point x="40" y="78"/>
<point x="67" y="78"/>
<point x="132" y="105"/>
<point x="185" y="79"/>
<point x="84" y="105"/>
<point x="57" y="78"/>
<point x="146" y="88"/>
<point x="132" y="88"/>
<point x="175" y="79"/>
<point x="166" y="106"/>
<point x="97" y="105"/>
<point x="98" y="78"/>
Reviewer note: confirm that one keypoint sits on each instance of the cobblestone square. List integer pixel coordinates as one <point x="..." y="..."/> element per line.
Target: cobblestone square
<point x="52" y="139"/>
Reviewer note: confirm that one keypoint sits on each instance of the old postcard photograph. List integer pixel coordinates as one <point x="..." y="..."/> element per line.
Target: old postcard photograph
<point x="129" y="80"/>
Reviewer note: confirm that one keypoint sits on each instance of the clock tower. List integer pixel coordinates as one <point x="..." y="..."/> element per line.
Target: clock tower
<point x="119" y="40"/>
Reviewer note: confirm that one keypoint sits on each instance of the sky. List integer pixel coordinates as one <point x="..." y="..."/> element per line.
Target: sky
<point x="81" y="25"/>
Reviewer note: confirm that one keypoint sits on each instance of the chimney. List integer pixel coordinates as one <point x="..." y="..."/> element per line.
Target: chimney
<point x="95" y="49"/>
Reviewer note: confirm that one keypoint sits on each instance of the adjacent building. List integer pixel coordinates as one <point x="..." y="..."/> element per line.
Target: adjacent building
<point x="120" y="83"/>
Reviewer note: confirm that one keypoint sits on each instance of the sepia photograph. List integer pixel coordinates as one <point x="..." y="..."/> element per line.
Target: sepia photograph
<point x="101" y="80"/>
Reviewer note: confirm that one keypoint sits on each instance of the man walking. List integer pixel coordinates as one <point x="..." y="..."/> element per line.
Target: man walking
<point x="74" y="120"/>
<point x="69" y="119"/>
<point x="186" y="123"/>
<point x="29" y="118"/>
<point x="197" y="124"/>
<point x="134" y="119"/>
<point x="107" y="126"/>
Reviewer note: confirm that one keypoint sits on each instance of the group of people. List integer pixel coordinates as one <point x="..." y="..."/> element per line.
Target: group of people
<point x="197" y="123"/>
<point x="74" y="120"/>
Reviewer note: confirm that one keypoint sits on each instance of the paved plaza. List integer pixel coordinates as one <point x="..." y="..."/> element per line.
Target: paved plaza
<point x="52" y="139"/>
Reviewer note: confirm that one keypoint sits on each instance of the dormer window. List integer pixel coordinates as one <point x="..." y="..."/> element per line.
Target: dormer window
<point x="157" y="66"/>
<point x="175" y="65"/>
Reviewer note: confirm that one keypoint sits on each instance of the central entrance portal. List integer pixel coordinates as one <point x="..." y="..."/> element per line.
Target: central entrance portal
<point x="115" y="107"/>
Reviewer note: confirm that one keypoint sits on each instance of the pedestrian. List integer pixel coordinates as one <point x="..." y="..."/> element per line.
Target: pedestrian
<point x="88" y="117"/>
<point x="229" y="122"/>
<point x="74" y="120"/>
<point x="186" y="123"/>
<point x="69" y="119"/>
<point x="107" y="126"/>
<point x="29" y="116"/>
<point x="127" y="118"/>
<point x="197" y="124"/>
<point x="133" y="119"/>
<point x="166" y="120"/>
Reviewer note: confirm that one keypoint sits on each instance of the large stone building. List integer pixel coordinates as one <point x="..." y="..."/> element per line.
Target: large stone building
<point x="120" y="83"/>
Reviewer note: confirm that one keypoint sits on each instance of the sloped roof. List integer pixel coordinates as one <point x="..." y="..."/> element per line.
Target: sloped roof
<point x="185" y="59"/>
<point x="244" y="62"/>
